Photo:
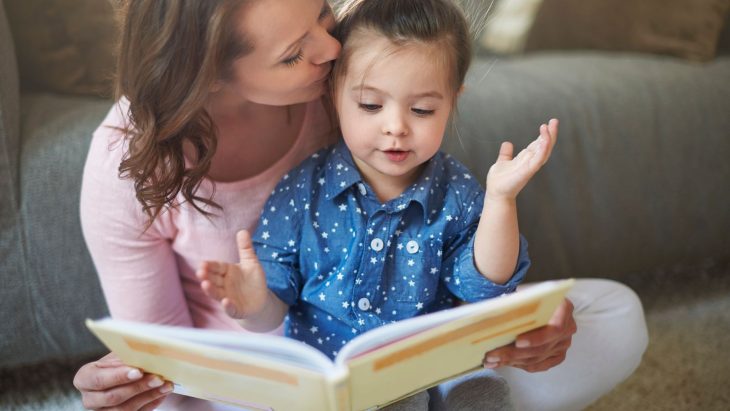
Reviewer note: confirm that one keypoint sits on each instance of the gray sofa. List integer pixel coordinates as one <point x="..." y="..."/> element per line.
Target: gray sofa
<point x="638" y="180"/>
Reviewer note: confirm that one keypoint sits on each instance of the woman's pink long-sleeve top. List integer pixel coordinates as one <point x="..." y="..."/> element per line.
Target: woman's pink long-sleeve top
<point x="150" y="276"/>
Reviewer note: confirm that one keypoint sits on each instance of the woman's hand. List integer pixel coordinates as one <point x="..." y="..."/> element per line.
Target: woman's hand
<point x="108" y="384"/>
<point x="540" y="349"/>
<point x="508" y="176"/>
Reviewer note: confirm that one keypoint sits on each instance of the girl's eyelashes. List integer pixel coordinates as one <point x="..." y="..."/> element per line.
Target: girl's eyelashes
<point x="371" y="108"/>
<point x="422" y="112"/>
<point x="293" y="60"/>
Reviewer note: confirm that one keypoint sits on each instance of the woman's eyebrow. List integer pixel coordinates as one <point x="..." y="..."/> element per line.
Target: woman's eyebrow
<point x="293" y="45"/>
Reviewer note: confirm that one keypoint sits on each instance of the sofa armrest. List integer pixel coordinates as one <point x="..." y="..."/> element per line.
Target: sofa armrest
<point x="9" y="123"/>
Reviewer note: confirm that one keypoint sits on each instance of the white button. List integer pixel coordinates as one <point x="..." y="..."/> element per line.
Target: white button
<point x="363" y="304"/>
<point x="376" y="244"/>
<point x="362" y="189"/>
<point x="412" y="247"/>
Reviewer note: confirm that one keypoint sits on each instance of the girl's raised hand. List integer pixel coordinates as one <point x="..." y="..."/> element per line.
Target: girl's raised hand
<point x="241" y="288"/>
<point x="508" y="176"/>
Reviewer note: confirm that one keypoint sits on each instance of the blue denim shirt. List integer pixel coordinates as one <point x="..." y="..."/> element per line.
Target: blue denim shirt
<point x="346" y="263"/>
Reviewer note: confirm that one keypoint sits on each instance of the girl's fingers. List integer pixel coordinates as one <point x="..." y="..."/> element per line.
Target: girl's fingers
<point x="505" y="151"/>
<point x="213" y="291"/>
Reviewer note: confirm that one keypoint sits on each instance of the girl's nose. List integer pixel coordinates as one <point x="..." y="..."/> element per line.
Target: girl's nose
<point x="395" y="124"/>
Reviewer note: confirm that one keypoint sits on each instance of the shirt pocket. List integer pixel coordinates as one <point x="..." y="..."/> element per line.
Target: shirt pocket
<point x="416" y="271"/>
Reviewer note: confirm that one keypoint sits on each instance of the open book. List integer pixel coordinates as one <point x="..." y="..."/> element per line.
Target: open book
<point x="265" y="372"/>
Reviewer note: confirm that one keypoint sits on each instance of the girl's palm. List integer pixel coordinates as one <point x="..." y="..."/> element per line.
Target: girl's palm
<point x="508" y="176"/>
<point x="241" y="288"/>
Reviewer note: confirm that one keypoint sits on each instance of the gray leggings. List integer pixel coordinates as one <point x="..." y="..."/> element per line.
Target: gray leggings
<point x="481" y="390"/>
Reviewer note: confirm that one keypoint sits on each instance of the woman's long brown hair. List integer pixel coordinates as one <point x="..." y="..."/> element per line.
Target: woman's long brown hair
<point x="171" y="53"/>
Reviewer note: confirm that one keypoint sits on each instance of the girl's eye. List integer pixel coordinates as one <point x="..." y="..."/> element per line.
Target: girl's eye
<point x="293" y="60"/>
<point x="422" y="112"/>
<point x="369" y="107"/>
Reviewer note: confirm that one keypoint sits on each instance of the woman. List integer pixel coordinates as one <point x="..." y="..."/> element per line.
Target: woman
<point x="217" y="100"/>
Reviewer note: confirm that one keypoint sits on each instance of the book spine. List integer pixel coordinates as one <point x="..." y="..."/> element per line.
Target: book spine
<point x="339" y="393"/>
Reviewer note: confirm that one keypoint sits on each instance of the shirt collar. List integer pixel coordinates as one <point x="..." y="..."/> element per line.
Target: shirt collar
<point x="428" y="190"/>
<point x="340" y="171"/>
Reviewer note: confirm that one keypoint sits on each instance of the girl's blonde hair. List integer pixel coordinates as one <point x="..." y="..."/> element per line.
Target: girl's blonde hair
<point x="171" y="53"/>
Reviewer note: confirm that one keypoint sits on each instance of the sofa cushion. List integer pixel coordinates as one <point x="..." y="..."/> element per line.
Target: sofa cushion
<point x="64" y="46"/>
<point x="639" y="174"/>
<point x="688" y="29"/>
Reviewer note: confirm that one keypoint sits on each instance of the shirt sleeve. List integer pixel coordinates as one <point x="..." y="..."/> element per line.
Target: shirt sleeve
<point x="277" y="240"/>
<point x="461" y="276"/>
<point x="137" y="269"/>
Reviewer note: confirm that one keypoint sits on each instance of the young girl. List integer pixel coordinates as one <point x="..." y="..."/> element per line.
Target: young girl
<point x="383" y="226"/>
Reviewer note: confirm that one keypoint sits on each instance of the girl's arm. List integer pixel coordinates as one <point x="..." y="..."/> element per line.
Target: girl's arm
<point x="496" y="242"/>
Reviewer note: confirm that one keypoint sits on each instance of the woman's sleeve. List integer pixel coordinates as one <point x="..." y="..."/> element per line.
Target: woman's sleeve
<point x="138" y="270"/>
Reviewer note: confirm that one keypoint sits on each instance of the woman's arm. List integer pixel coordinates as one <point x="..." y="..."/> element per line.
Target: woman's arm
<point x="138" y="274"/>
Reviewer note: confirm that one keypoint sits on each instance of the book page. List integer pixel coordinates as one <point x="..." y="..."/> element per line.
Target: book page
<point x="392" y="333"/>
<point x="402" y="358"/>
<point x="270" y="346"/>
<point x="254" y="371"/>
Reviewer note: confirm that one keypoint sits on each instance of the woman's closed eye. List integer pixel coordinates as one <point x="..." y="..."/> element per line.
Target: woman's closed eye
<point x="293" y="60"/>
<point x="323" y="14"/>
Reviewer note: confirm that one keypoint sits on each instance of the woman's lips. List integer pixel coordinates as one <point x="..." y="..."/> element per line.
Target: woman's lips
<point x="396" y="155"/>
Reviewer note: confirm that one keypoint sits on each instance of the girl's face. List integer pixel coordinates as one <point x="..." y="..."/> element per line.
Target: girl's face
<point x="393" y="109"/>
<point x="292" y="52"/>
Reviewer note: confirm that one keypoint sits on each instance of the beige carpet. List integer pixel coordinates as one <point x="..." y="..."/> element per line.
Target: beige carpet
<point x="686" y="366"/>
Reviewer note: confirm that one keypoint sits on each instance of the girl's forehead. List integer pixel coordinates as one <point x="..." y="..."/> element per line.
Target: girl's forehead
<point x="380" y="52"/>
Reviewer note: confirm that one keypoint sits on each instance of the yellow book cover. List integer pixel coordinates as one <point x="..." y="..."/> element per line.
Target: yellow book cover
<point x="266" y="372"/>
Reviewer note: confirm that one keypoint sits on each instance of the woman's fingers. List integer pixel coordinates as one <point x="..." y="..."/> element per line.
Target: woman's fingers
<point x="137" y="396"/>
<point x="154" y="404"/>
<point x="101" y="375"/>
<point x="115" y="389"/>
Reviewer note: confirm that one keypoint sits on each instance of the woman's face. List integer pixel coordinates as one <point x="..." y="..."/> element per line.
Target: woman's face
<point x="292" y="52"/>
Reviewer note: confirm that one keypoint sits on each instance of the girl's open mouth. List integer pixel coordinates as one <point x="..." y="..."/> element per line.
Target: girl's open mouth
<point x="396" y="155"/>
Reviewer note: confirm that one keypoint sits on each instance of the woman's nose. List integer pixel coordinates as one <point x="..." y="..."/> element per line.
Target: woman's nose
<point x="327" y="48"/>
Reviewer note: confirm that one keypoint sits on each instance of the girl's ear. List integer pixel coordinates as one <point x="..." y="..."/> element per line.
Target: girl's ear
<point x="459" y="91"/>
